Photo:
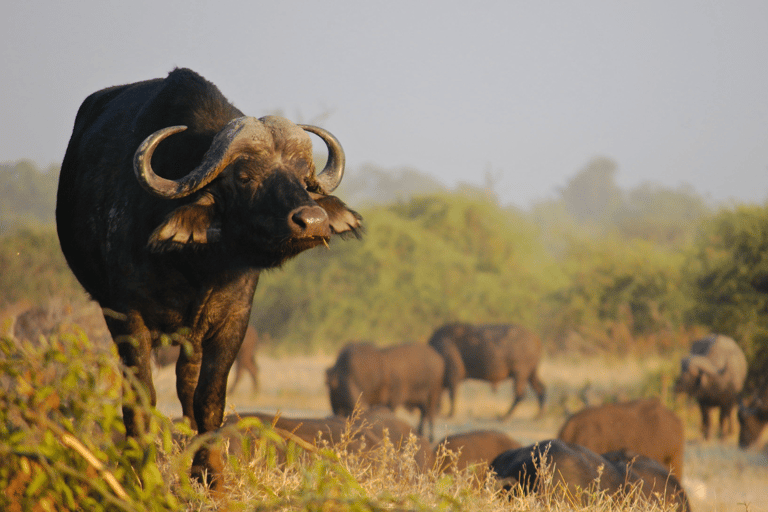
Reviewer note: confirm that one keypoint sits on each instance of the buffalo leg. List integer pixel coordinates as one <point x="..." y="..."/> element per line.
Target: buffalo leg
<point x="726" y="423"/>
<point x="134" y="347"/>
<point x="209" y="402"/>
<point x="187" y="374"/>
<point x="519" y="391"/>
<point x="704" y="420"/>
<point x="540" y="389"/>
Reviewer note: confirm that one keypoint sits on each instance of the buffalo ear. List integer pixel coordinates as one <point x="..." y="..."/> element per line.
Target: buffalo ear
<point x="191" y="224"/>
<point x="341" y="218"/>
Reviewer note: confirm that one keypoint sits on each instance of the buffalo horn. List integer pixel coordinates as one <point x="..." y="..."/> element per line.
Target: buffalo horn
<point x="330" y="177"/>
<point x="221" y="153"/>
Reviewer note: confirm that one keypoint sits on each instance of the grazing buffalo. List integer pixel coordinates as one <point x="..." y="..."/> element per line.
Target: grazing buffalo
<point x="408" y="375"/>
<point x="753" y="417"/>
<point x="575" y="469"/>
<point x="478" y="447"/>
<point x="493" y="353"/>
<point x="714" y="374"/>
<point x="642" y="426"/>
<point x="170" y="204"/>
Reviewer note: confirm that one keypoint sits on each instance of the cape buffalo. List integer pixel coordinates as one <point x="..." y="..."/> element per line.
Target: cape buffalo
<point x="170" y="203"/>
<point x="408" y="375"/>
<point x="753" y="417"/>
<point x="477" y="447"/>
<point x="642" y="426"/>
<point x="714" y="375"/>
<point x="490" y="352"/>
<point x="575" y="469"/>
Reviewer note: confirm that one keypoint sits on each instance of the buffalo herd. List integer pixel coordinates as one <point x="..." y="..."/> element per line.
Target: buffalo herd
<point x="172" y="201"/>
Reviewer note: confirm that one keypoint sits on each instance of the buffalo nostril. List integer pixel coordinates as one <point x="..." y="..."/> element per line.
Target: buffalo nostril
<point x="309" y="221"/>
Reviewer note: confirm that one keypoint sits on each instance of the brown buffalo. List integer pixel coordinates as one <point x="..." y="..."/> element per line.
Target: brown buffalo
<point x="493" y="353"/>
<point x="642" y="426"/>
<point x="360" y="435"/>
<point x="408" y="375"/>
<point x="576" y="469"/>
<point x="714" y="375"/>
<point x="478" y="447"/>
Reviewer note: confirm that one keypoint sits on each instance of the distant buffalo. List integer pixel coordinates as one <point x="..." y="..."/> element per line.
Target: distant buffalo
<point x="477" y="447"/>
<point x="714" y="374"/>
<point x="493" y="353"/>
<point x="753" y="417"/>
<point x="576" y="469"/>
<point x="642" y="426"/>
<point x="406" y="375"/>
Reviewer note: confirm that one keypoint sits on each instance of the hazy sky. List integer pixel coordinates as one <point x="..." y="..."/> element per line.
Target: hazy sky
<point x="673" y="91"/>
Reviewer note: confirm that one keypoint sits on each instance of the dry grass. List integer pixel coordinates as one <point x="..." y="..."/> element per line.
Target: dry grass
<point x="719" y="476"/>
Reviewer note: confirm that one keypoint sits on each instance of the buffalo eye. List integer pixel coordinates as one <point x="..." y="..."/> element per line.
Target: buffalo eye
<point x="244" y="178"/>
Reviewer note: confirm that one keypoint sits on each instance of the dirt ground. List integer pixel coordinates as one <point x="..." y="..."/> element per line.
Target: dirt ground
<point x="719" y="476"/>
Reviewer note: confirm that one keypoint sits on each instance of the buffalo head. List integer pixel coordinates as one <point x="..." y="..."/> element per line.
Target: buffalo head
<point x="256" y="189"/>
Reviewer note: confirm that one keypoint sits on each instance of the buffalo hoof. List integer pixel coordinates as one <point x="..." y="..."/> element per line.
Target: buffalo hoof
<point x="208" y="469"/>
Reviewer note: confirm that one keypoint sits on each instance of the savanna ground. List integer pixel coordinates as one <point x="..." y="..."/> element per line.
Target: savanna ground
<point x="719" y="475"/>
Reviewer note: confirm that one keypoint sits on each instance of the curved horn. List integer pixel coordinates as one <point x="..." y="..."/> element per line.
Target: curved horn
<point x="221" y="153"/>
<point x="330" y="177"/>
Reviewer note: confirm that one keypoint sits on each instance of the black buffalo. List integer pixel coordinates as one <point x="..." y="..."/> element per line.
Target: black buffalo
<point x="575" y="469"/>
<point x="170" y="203"/>
<point x="409" y="375"/>
<point x="493" y="353"/>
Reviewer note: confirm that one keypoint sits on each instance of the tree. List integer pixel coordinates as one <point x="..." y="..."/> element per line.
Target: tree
<point x="729" y="261"/>
<point x="592" y="195"/>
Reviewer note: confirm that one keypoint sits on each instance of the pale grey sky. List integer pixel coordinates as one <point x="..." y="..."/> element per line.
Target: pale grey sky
<point x="673" y="91"/>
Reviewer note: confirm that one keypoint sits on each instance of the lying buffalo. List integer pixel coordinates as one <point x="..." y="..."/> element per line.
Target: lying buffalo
<point x="642" y="426"/>
<point x="655" y="478"/>
<point x="170" y="204"/>
<point x="477" y="447"/>
<point x="714" y="375"/>
<point x="365" y="434"/>
<point x="753" y="417"/>
<point x="577" y="471"/>
<point x="408" y="375"/>
<point x="490" y="352"/>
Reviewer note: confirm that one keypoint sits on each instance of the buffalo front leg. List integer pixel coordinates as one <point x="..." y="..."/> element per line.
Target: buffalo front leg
<point x="209" y="403"/>
<point x="187" y="374"/>
<point x="704" y="420"/>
